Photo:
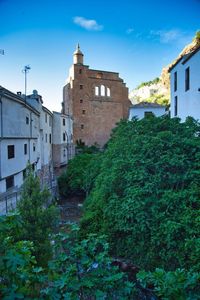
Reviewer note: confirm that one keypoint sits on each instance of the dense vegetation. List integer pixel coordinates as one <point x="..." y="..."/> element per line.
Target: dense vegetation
<point x="38" y="261"/>
<point x="143" y="204"/>
<point x="148" y="83"/>
<point x="147" y="195"/>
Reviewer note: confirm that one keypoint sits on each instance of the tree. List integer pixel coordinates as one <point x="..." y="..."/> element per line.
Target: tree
<point x="38" y="217"/>
<point x="146" y="197"/>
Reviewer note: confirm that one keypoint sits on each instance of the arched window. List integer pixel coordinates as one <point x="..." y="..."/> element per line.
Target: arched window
<point x="102" y="90"/>
<point x="96" y="91"/>
<point x="108" y="92"/>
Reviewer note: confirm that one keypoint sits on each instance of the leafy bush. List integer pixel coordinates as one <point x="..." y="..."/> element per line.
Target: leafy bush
<point x="147" y="195"/>
<point x="80" y="174"/>
<point x="148" y="83"/>
<point x="172" y="285"/>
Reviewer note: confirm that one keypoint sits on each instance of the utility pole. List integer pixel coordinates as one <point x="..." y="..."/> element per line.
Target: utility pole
<point x="25" y="71"/>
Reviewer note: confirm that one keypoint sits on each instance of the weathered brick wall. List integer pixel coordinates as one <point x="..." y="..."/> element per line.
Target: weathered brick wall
<point x="95" y="116"/>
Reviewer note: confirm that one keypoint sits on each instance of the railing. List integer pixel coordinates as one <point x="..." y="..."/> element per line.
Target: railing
<point x="8" y="200"/>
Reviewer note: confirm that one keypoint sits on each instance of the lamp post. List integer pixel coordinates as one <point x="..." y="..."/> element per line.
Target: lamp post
<point x="25" y="71"/>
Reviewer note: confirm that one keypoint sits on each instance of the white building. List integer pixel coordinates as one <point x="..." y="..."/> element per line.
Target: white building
<point x="185" y="86"/>
<point x="144" y="109"/>
<point x="63" y="148"/>
<point x="27" y="135"/>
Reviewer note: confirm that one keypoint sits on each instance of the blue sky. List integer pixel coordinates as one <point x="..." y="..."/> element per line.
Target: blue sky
<point x="135" y="38"/>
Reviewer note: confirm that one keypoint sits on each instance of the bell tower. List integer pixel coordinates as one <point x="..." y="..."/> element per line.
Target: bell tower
<point x="78" y="56"/>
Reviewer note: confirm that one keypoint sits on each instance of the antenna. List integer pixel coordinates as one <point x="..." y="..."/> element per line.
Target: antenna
<point x="25" y="71"/>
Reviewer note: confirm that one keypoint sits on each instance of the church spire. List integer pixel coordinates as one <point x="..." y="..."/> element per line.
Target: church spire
<point x="78" y="55"/>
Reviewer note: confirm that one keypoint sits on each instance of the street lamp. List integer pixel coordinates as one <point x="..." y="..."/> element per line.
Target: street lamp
<point x="25" y="71"/>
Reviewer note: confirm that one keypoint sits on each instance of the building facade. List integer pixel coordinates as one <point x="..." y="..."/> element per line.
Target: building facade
<point x="144" y="109"/>
<point x="185" y="86"/>
<point x="63" y="148"/>
<point x="96" y="100"/>
<point x="29" y="133"/>
<point x="19" y="125"/>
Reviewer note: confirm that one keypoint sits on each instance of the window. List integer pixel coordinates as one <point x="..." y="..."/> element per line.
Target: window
<point x="148" y="114"/>
<point x="81" y="100"/>
<point x="187" y="79"/>
<point x="81" y="86"/>
<point x="80" y="71"/>
<point x="82" y="126"/>
<point x="83" y="111"/>
<point x="50" y="138"/>
<point x="64" y="137"/>
<point x="175" y="81"/>
<point x="9" y="182"/>
<point x="63" y="122"/>
<point x="46" y="117"/>
<point x="108" y="92"/>
<point x="11" y="151"/>
<point x="50" y="121"/>
<point x="102" y="90"/>
<point x="25" y="149"/>
<point x="27" y="120"/>
<point x="96" y="91"/>
<point x="33" y="147"/>
<point x="24" y="174"/>
<point x="175" y="106"/>
<point x="46" y="137"/>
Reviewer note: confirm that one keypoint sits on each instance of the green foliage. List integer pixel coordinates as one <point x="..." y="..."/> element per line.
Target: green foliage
<point x="197" y="36"/>
<point x="37" y="216"/>
<point x="148" y="83"/>
<point x="159" y="99"/>
<point x="83" y="270"/>
<point x="147" y="195"/>
<point x="172" y="285"/>
<point x="79" y="270"/>
<point x="80" y="174"/>
<point x="18" y="272"/>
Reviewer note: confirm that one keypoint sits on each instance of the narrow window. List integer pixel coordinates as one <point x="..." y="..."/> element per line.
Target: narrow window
<point x="50" y="138"/>
<point x="64" y="137"/>
<point x="82" y="126"/>
<point x="83" y="111"/>
<point x="33" y="147"/>
<point x="108" y="92"/>
<point x="25" y="149"/>
<point x="96" y="91"/>
<point x="45" y="117"/>
<point x="27" y="120"/>
<point x="80" y="71"/>
<point x="175" y="81"/>
<point x="9" y="182"/>
<point x="187" y="79"/>
<point x="11" y="151"/>
<point x="81" y="86"/>
<point x="175" y="106"/>
<point x="49" y="120"/>
<point x="102" y="90"/>
<point x="46" y="137"/>
<point x="81" y="100"/>
<point x="63" y="122"/>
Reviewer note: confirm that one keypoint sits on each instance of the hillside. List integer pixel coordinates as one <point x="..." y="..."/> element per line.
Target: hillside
<point x="158" y="89"/>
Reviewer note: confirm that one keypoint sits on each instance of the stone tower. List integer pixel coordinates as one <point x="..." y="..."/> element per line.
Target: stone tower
<point x="96" y="99"/>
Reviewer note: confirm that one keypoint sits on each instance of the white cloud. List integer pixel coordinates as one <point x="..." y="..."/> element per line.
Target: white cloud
<point x="167" y="36"/>
<point x="87" y="24"/>
<point x="129" y="30"/>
